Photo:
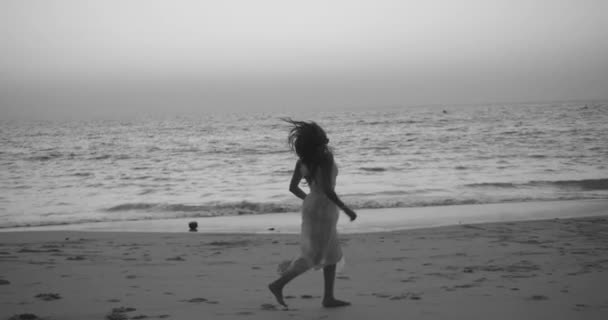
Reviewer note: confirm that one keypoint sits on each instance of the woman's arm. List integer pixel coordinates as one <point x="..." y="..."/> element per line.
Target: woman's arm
<point x="331" y="194"/>
<point x="294" y="185"/>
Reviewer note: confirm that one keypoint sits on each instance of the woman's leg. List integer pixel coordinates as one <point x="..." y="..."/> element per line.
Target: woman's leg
<point x="329" y="301"/>
<point x="297" y="268"/>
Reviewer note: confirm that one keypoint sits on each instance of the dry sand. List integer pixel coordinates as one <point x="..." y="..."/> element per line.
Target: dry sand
<point x="549" y="269"/>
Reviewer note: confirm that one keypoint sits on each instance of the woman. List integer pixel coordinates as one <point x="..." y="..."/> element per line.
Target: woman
<point x="319" y="242"/>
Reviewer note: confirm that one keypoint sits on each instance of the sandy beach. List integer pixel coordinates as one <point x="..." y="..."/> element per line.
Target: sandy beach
<point x="544" y="269"/>
<point x="467" y="138"/>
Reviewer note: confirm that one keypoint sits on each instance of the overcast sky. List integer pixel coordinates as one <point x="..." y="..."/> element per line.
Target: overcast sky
<point x="125" y="57"/>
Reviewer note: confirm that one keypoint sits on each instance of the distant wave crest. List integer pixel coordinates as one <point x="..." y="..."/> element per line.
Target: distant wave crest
<point x="584" y="185"/>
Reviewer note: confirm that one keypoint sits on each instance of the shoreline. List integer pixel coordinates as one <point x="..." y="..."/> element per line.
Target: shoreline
<point x="368" y="221"/>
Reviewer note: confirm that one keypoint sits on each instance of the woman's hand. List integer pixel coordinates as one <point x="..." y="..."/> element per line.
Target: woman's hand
<point x="350" y="213"/>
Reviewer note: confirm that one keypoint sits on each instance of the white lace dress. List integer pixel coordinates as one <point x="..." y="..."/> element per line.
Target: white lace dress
<point x="319" y="243"/>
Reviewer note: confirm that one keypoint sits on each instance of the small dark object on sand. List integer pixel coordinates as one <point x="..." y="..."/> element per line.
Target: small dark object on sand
<point x="270" y="229"/>
<point x="193" y="225"/>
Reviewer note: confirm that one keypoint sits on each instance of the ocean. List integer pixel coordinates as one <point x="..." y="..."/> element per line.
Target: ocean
<point x="72" y="172"/>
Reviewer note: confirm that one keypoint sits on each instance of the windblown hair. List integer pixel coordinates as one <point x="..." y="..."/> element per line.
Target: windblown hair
<point x="309" y="141"/>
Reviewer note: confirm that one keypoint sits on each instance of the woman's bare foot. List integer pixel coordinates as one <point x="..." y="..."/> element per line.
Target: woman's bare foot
<point x="334" y="303"/>
<point x="278" y="293"/>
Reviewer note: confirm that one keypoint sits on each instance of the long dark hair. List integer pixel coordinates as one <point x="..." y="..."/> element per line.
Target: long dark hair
<point x="309" y="141"/>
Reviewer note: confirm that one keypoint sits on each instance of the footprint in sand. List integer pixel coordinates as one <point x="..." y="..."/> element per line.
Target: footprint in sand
<point x="402" y="296"/>
<point x="178" y="258"/>
<point x="4" y="282"/>
<point x="200" y="300"/>
<point x="119" y="313"/>
<point x="409" y="279"/>
<point x="48" y="296"/>
<point x="538" y="297"/>
<point x="24" y="316"/>
<point x="123" y="309"/>
<point x="196" y="300"/>
<point x="268" y="307"/>
<point x="479" y="280"/>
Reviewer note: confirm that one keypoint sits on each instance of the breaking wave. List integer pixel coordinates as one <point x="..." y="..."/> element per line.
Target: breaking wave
<point x="209" y="210"/>
<point x="160" y="211"/>
<point x="583" y="185"/>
